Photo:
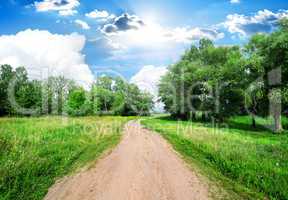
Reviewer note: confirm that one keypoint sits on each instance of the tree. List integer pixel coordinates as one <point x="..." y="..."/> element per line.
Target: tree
<point x="29" y="98"/>
<point x="77" y="103"/>
<point x="115" y="96"/>
<point x="217" y="80"/>
<point x="205" y="80"/>
<point x="22" y="96"/>
<point x="6" y="76"/>
<point x="103" y="100"/>
<point x="19" y="95"/>
<point x="103" y="95"/>
<point x="273" y="51"/>
<point x="136" y="102"/>
<point x="55" y="94"/>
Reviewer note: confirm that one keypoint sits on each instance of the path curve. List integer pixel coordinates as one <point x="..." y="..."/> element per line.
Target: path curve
<point x="142" y="167"/>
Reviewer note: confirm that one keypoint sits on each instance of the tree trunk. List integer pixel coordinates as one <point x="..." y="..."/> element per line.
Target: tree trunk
<point x="277" y="123"/>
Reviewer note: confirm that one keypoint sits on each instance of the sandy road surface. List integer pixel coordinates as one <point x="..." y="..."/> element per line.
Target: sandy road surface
<point x="142" y="167"/>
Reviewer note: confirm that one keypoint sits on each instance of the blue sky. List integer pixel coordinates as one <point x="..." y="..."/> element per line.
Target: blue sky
<point x="124" y="36"/>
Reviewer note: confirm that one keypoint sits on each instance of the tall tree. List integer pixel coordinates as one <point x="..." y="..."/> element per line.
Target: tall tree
<point x="273" y="51"/>
<point x="55" y="94"/>
<point x="103" y="95"/>
<point x="6" y="75"/>
<point x="204" y="80"/>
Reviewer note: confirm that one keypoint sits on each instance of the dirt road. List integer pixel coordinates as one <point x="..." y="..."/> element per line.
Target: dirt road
<point x="142" y="167"/>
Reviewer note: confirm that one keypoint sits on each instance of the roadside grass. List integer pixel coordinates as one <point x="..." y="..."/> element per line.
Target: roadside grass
<point x="34" y="152"/>
<point x="252" y="163"/>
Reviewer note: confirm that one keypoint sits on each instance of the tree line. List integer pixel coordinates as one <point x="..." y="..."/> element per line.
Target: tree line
<point x="20" y="96"/>
<point x="223" y="81"/>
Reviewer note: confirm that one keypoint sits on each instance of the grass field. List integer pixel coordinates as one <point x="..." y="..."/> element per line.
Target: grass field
<point x="250" y="162"/>
<point x="36" y="151"/>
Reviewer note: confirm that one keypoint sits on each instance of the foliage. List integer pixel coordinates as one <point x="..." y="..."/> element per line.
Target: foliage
<point x="55" y="94"/>
<point x="77" y="103"/>
<point x="58" y="96"/>
<point x="115" y="96"/>
<point x="222" y="81"/>
<point x="202" y="74"/>
<point x="272" y="52"/>
<point x="19" y="95"/>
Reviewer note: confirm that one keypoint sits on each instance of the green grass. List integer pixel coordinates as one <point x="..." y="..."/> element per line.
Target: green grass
<point x="34" y="152"/>
<point x="251" y="163"/>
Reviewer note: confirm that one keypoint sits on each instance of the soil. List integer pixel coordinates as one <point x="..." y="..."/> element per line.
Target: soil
<point x="142" y="167"/>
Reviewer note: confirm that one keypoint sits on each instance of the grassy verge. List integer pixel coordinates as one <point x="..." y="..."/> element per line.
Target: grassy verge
<point x="36" y="151"/>
<point x="252" y="163"/>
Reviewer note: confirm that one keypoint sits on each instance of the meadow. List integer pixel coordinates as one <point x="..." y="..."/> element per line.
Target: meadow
<point x="249" y="162"/>
<point x="34" y="152"/>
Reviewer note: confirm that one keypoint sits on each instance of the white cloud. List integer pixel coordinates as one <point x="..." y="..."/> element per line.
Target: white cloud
<point x="262" y="22"/>
<point x="108" y="43"/>
<point x="123" y="23"/>
<point x="156" y="37"/>
<point x="64" y="7"/>
<point x="44" y="53"/>
<point x="149" y="41"/>
<point x="98" y="14"/>
<point x="186" y="34"/>
<point x="234" y="1"/>
<point x="82" y="24"/>
<point x="147" y="79"/>
<point x="67" y="12"/>
<point x="131" y="31"/>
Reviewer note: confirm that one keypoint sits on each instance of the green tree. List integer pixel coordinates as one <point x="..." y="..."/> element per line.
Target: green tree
<point x="103" y="95"/>
<point x="6" y="75"/>
<point x="116" y="96"/>
<point x="19" y="95"/>
<point x="206" y="79"/>
<point x="55" y="94"/>
<point x="78" y="103"/>
<point x="272" y="49"/>
<point x="29" y="98"/>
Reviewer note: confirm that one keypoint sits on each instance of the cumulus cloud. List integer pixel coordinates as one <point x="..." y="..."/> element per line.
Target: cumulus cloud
<point x="157" y="36"/>
<point x="101" y="15"/>
<point x="186" y="35"/>
<point x="64" y="7"/>
<point x="129" y="37"/>
<point x="122" y="23"/>
<point x="264" y="21"/>
<point x="147" y="79"/>
<point x="67" y="12"/>
<point x="146" y="40"/>
<point x="103" y="47"/>
<point x="46" y="54"/>
<point x="82" y="24"/>
<point x="132" y="32"/>
<point x="107" y="43"/>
